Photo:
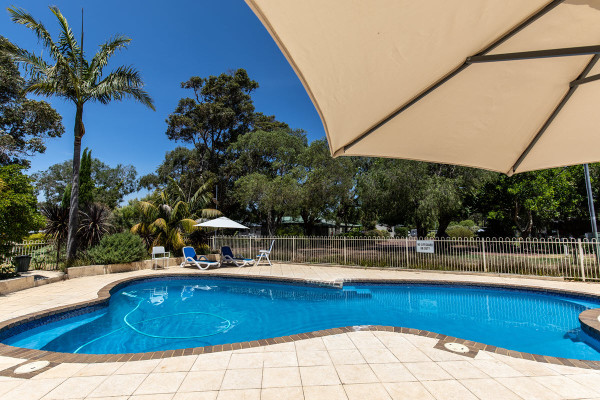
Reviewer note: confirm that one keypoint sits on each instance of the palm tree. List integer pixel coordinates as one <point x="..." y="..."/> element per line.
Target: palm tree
<point x="57" y="225"/>
<point x="170" y="218"/>
<point x="94" y="224"/>
<point x="72" y="77"/>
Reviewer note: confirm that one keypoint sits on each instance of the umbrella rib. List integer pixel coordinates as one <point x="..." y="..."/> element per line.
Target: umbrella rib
<point x="549" y="7"/>
<point x="529" y="55"/>
<point x="556" y="111"/>
<point x="585" y="80"/>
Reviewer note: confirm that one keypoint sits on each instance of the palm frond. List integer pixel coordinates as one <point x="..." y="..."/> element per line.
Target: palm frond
<point x="137" y="228"/>
<point x="147" y="208"/>
<point x="188" y="225"/>
<point x="210" y="213"/>
<point x="94" y="224"/>
<point x="67" y="43"/>
<point x="177" y="240"/>
<point x="20" y="16"/>
<point x="202" y="195"/>
<point x="180" y="208"/>
<point x="46" y="88"/>
<point x="57" y="221"/>
<point x="100" y="59"/>
<point x="121" y="83"/>
<point x="160" y="223"/>
<point x="178" y="189"/>
<point x="35" y="66"/>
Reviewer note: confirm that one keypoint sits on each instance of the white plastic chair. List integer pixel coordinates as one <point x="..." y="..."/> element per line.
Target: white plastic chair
<point x="159" y="253"/>
<point x="265" y="254"/>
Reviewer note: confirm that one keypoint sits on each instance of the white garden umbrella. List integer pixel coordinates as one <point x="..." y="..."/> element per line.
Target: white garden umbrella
<point x="508" y="86"/>
<point x="222" y="222"/>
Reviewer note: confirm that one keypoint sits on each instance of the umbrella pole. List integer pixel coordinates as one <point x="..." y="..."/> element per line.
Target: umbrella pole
<point x="588" y="187"/>
<point x="590" y="198"/>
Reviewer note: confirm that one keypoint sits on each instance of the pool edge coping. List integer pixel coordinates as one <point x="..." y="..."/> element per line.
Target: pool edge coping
<point x="589" y="319"/>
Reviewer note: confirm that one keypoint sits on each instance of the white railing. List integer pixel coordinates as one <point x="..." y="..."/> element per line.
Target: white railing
<point x="43" y="253"/>
<point x="566" y="258"/>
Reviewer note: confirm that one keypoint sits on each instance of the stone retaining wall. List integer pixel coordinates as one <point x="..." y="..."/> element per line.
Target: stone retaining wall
<point x="90" y="270"/>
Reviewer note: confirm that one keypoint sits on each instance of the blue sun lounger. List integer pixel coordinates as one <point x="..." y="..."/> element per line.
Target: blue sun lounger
<point x="239" y="260"/>
<point x="190" y="258"/>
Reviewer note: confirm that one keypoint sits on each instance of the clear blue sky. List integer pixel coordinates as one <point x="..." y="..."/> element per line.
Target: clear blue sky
<point x="171" y="41"/>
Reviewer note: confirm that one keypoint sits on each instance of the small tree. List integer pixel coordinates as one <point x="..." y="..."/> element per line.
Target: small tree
<point x="57" y="225"/>
<point x="94" y="223"/>
<point x="18" y="213"/>
<point x="86" y="183"/>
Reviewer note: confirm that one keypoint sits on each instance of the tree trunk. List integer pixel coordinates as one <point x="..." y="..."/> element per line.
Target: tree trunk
<point x="308" y="223"/>
<point x="421" y="230"/>
<point x="57" y="252"/>
<point x="443" y="223"/>
<point x="74" y="208"/>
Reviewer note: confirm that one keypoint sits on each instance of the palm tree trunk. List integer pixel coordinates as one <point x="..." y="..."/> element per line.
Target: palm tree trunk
<point x="74" y="206"/>
<point x="57" y="252"/>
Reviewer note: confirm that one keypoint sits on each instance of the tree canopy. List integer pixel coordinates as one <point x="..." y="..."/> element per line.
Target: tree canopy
<point x="24" y="123"/>
<point x="109" y="184"/>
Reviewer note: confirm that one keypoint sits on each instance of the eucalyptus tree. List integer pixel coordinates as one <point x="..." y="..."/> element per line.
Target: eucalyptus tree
<point x="71" y="76"/>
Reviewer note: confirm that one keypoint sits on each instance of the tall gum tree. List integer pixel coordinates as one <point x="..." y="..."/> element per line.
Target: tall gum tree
<point x="69" y="75"/>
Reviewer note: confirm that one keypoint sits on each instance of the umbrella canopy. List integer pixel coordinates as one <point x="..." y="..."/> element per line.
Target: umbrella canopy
<point x="508" y="86"/>
<point x="222" y="222"/>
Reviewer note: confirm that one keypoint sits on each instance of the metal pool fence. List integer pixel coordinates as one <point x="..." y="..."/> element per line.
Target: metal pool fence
<point x="43" y="253"/>
<point x="568" y="258"/>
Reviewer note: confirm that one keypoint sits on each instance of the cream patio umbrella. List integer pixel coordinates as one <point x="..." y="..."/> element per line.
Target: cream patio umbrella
<point x="508" y="86"/>
<point x="222" y="222"/>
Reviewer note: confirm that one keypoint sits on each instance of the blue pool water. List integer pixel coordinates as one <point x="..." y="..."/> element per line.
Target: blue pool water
<point x="180" y="313"/>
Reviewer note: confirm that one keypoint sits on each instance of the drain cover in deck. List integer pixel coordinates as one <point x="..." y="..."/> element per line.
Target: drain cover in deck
<point x="456" y="347"/>
<point x="31" y="367"/>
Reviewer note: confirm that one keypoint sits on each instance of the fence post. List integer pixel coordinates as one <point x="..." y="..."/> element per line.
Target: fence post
<point x="581" y="259"/>
<point x="485" y="268"/>
<point x="406" y="249"/>
<point x="345" y="252"/>
<point x="293" y="248"/>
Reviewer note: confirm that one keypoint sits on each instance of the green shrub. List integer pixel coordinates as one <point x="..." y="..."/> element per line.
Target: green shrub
<point x="203" y="249"/>
<point x="354" y="232"/>
<point x="119" y="248"/>
<point x="7" y="271"/>
<point x="290" y="230"/>
<point x="459" y="231"/>
<point x="401" y="231"/>
<point x="372" y="263"/>
<point x="468" y="223"/>
<point x="377" y="233"/>
<point x="38" y="237"/>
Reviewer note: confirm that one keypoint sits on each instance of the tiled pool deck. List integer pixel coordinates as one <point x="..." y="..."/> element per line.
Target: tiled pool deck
<point x="352" y="365"/>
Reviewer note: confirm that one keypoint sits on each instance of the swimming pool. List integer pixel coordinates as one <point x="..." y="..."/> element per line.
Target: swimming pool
<point x="167" y="314"/>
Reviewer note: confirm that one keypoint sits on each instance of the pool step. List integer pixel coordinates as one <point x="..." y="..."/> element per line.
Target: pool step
<point x="356" y="292"/>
